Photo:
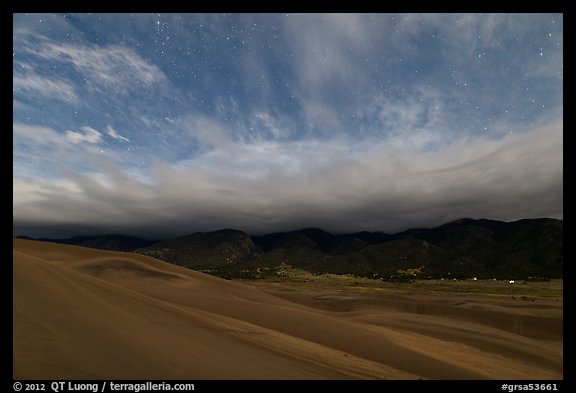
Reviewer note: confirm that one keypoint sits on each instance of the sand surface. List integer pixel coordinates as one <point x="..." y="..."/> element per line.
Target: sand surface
<point x="81" y="313"/>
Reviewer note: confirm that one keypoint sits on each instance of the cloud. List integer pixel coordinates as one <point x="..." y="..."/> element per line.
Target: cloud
<point x="272" y="125"/>
<point x="329" y="46"/>
<point x="37" y="135"/>
<point x="341" y="62"/>
<point x="114" y="67"/>
<point x="114" y="134"/>
<point x="38" y="149"/>
<point x="336" y="185"/>
<point x="89" y="135"/>
<point x="206" y="130"/>
<point x="41" y="151"/>
<point x="32" y="83"/>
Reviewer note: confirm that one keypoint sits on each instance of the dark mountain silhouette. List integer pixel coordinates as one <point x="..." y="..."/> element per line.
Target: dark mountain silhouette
<point x="307" y="238"/>
<point x="460" y="249"/>
<point x="372" y="237"/>
<point x="348" y="244"/>
<point x="222" y="249"/>
<point x="104" y="242"/>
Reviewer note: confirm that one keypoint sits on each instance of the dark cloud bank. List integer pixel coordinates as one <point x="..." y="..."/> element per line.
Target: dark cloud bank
<point x="373" y="187"/>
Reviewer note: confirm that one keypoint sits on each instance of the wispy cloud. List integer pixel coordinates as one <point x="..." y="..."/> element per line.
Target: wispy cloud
<point x="328" y="47"/>
<point x="36" y="134"/>
<point x="44" y="151"/>
<point x="32" y="83"/>
<point x="114" y="134"/>
<point x="114" y="67"/>
<point x="275" y="127"/>
<point x="206" y="130"/>
<point x="89" y="135"/>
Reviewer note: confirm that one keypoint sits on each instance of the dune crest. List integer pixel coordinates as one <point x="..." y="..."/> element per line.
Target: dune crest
<point x="91" y="314"/>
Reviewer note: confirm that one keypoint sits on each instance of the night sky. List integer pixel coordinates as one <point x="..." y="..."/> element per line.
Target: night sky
<point x="160" y="125"/>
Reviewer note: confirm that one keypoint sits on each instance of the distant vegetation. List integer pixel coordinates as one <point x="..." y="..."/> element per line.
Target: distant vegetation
<point x="466" y="248"/>
<point x="294" y="279"/>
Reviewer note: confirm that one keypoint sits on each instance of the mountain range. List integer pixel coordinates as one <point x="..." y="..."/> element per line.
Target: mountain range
<point x="103" y="242"/>
<point x="463" y="248"/>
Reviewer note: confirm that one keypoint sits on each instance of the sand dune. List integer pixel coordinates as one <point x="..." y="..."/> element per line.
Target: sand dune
<point x="83" y="313"/>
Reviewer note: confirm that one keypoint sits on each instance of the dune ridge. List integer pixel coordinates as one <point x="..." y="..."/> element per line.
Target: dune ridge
<point x="82" y="313"/>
